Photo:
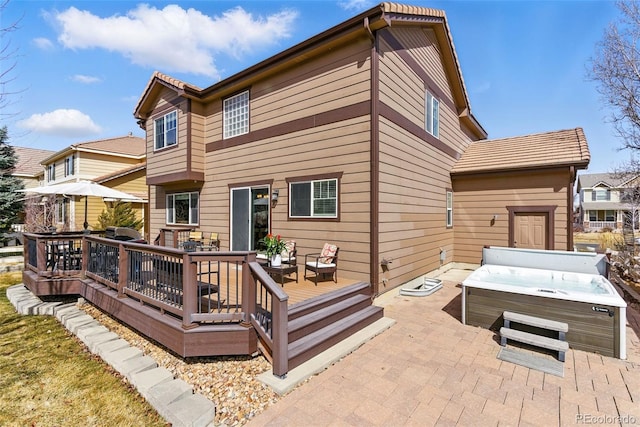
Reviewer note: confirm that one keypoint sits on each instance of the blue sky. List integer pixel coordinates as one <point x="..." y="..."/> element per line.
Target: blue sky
<point x="82" y="65"/>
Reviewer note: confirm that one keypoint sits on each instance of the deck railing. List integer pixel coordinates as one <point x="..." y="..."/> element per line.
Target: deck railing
<point x="202" y="287"/>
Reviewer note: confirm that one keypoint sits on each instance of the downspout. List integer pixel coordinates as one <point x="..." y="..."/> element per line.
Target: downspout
<point x="374" y="165"/>
<point x="572" y="180"/>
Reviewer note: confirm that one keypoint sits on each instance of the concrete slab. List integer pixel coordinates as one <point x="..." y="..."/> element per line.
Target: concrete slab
<point x="47" y="308"/>
<point x="93" y="341"/>
<point x="168" y="392"/>
<point x="135" y="365"/>
<point x="117" y="357"/>
<point x="84" y="333"/>
<point x="194" y="410"/>
<point x="27" y="306"/>
<point x="63" y="309"/>
<point x="76" y="322"/>
<point x="325" y="359"/>
<point x="145" y="380"/>
<point x="111" y="346"/>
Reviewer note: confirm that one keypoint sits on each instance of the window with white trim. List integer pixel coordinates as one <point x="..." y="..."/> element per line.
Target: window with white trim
<point x="449" y="209"/>
<point x="600" y="194"/>
<point x="432" y="118"/>
<point x="314" y="199"/>
<point x="182" y="208"/>
<point x="69" y="164"/>
<point x="166" y="130"/>
<point x="51" y="172"/>
<point x="62" y="209"/>
<point x="236" y="115"/>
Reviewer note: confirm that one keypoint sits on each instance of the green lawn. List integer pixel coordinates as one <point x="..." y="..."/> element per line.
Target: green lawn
<point x="48" y="378"/>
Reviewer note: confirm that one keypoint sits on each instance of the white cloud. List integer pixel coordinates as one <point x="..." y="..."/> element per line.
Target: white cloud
<point x="43" y="43"/>
<point x="174" y="39"/>
<point x="356" y="4"/>
<point x="81" y="78"/>
<point x="62" y="122"/>
<point x="482" y="88"/>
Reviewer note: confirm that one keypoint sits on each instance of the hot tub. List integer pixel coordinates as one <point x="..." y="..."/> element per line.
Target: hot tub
<point x="588" y="303"/>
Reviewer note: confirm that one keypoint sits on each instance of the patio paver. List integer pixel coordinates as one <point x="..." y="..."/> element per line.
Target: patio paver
<point x="430" y="369"/>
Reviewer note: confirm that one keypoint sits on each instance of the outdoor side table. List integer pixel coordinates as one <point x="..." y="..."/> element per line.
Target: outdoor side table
<point x="281" y="271"/>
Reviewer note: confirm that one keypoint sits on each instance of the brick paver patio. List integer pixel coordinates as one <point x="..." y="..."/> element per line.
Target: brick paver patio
<point x="429" y="369"/>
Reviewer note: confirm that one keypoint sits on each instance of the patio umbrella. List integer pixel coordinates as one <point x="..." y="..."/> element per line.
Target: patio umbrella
<point x="83" y="188"/>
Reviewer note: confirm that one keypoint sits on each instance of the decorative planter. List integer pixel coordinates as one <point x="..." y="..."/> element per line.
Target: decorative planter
<point x="276" y="260"/>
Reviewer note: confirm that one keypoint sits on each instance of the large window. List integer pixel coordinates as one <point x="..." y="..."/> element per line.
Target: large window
<point x="600" y="194"/>
<point x="607" y="215"/>
<point x="236" y="115"/>
<point x="449" y="209"/>
<point x="182" y="208"/>
<point x="62" y="208"/>
<point x="166" y="130"/>
<point x="69" y="165"/>
<point x="312" y="199"/>
<point x="432" y="118"/>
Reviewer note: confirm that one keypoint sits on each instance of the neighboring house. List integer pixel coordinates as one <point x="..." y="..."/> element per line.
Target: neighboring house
<point x="28" y="167"/>
<point x="604" y="203"/>
<point x="115" y="162"/>
<point x="361" y="136"/>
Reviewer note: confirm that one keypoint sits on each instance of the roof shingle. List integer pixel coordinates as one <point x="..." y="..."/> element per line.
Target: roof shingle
<point x="559" y="148"/>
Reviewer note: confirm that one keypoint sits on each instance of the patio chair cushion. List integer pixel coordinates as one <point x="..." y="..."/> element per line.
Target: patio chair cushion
<point x="328" y="253"/>
<point x="290" y="246"/>
<point x="320" y="264"/>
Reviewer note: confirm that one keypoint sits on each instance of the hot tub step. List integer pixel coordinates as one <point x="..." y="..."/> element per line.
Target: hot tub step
<point x="537" y="340"/>
<point x="538" y="322"/>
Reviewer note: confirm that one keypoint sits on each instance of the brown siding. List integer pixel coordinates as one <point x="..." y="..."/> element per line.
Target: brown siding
<point x="175" y="158"/>
<point x="414" y="169"/>
<point x="477" y="199"/>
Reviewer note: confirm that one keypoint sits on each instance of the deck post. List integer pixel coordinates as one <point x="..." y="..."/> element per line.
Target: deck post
<point x="85" y="255"/>
<point x="248" y="290"/>
<point x="175" y="233"/>
<point x="123" y="263"/>
<point x="41" y="248"/>
<point x="280" y="352"/>
<point x="189" y="293"/>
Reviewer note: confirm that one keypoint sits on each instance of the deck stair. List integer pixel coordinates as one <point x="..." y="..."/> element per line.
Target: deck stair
<point x="508" y="333"/>
<point x="321" y="322"/>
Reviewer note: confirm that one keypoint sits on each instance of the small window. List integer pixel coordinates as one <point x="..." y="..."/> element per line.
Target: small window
<point x="314" y="199"/>
<point x="69" y="163"/>
<point x="449" y="209"/>
<point x="600" y="194"/>
<point x="62" y="208"/>
<point x="166" y="130"/>
<point x="236" y="115"/>
<point x="182" y="208"/>
<point x="51" y="172"/>
<point x="432" y="118"/>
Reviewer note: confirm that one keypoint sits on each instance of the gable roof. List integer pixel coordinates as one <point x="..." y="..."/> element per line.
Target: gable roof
<point x="536" y="151"/>
<point x="128" y="146"/>
<point x="29" y="159"/>
<point x="614" y="180"/>
<point x="381" y="16"/>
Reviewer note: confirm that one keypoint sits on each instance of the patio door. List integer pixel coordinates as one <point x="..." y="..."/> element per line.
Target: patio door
<point x="249" y="217"/>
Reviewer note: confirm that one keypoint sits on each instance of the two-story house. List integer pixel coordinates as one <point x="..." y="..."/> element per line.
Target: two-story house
<point x="118" y="163"/>
<point x="360" y="136"/>
<point x="605" y="202"/>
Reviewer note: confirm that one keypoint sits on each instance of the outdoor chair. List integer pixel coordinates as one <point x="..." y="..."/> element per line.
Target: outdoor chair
<point x="289" y="252"/>
<point x="323" y="263"/>
<point x="211" y="242"/>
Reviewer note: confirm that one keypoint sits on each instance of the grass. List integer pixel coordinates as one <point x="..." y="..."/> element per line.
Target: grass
<point x="605" y="239"/>
<point x="48" y="378"/>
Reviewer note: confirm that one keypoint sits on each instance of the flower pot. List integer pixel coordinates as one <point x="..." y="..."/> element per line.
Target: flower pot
<point x="276" y="260"/>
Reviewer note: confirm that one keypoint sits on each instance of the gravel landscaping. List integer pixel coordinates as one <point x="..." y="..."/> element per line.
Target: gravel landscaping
<point x="229" y="382"/>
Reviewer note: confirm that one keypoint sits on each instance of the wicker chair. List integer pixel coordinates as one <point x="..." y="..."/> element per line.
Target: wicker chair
<point x="323" y="263"/>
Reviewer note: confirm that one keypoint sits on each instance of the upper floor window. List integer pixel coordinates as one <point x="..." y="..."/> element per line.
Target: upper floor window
<point x="182" y="208"/>
<point x="51" y="172"/>
<point x="449" y="209"/>
<point x="166" y="130"/>
<point x="432" y="118"/>
<point x="314" y="199"/>
<point x="69" y="163"/>
<point x="236" y="115"/>
<point x="599" y="194"/>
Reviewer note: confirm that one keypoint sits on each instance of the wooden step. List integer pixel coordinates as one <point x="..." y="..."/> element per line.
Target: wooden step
<point x="312" y="304"/>
<point x="537" y="340"/>
<point x="315" y="343"/>
<point x="537" y="322"/>
<point x="311" y="322"/>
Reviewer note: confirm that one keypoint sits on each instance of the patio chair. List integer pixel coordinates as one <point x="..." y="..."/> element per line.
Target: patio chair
<point x="289" y="252"/>
<point x="211" y="242"/>
<point x="323" y="263"/>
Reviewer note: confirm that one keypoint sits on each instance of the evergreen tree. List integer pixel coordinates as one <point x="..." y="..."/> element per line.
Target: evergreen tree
<point x="11" y="201"/>
<point x="121" y="214"/>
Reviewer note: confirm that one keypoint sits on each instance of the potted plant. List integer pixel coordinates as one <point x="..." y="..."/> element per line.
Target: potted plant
<point x="274" y="246"/>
